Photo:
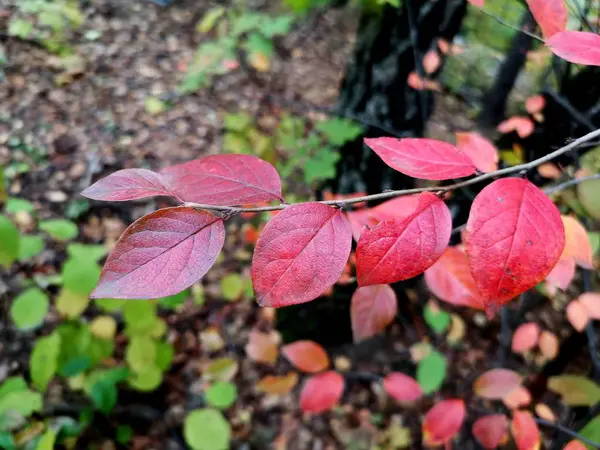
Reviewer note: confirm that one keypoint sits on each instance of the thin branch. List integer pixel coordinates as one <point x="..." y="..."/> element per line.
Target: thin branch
<point x="230" y="210"/>
<point x="584" y="16"/>
<point x="566" y="430"/>
<point x="567" y="184"/>
<point x="512" y="27"/>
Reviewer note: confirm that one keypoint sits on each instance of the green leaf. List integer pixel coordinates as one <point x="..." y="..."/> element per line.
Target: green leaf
<point x="437" y="319"/>
<point x="43" y="362"/>
<point x="257" y="43"/>
<point x="113" y="376"/>
<point x="141" y="353"/>
<point x="210" y="19"/>
<point x="594" y="241"/>
<point x="20" y="28"/>
<point x="14" y="397"/>
<point x="7" y="442"/>
<point x="110" y="304"/>
<point x="29" y="309"/>
<point x="74" y="357"/>
<point x="9" y="242"/>
<point x="30" y="246"/>
<point x="80" y="276"/>
<point x="124" y="434"/>
<point x="12" y="384"/>
<point x="164" y="355"/>
<point x="575" y="390"/>
<point x="221" y="369"/>
<point x="592" y="432"/>
<point x="146" y="381"/>
<point x="82" y="252"/>
<point x="47" y="440"/>
<point x="60" y="229"/>
<point x="175" y="300"/>
<point x="246" y="22"/>
<point x="221" y="395"/>
<point x="154" y="106"/>
<point x="338" y="131"/>
<point x="431" y="372"/>
<point x="15" y="205"/>
<point x="206" y="429"/>
<point x="277" y="25"/>
<point x="232" y="287"/>
<point x="100" y="350"/>
<point x="588" y="194"/>
<point x="321" y="166"/>
<point x="104" y="396"/>
<point x="71" y="304"/>
<point x="239" y="122"/>
<point x="140" y="317"/>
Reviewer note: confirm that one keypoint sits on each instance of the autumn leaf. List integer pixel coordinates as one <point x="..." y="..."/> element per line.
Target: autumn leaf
<point x="550" y="15"/>
<point x="480" y="150"/>
<point x="577" y="243"/>
<point x="321" y="392"/>
<point x="561" y="276"/>
<point x="519" y="398"/>
<point x="523" y="126"/>
<point x="127" y="184"/>
<point x="575" y="390"/>
<point x="401" y="387"/>
<point x="431" y="61"/>
<point x="525" y="337"/>
<point x="307" y="356"/>
<point x="591" y="301"/>
<point x="495" y="384"/>
<point x="535" y="103"/>
<point x="262" y="347"/>
<point x="578" y="315"/>
<point x="278" y="385"/>
<point x="372" y="308"/>
<point x="549" y="345"/>
<point x="579" y="47"/>
<point x="443" y="421"/>
<point x="525" y="431"/>
<point x="491" y="431"/>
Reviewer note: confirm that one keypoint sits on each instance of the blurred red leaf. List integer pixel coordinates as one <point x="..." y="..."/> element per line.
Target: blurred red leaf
<point x="525" y="431"/>
<point x="561" y="275"/>
<point x="262" y="347"/>
<point x="523" y="126"/>
<point x="444" y="46"/>
<point x="307" y="356"/>
<point x="577" y="243"/>
<point x="579" y="47"/>
<point x="161" y="254"/>
<point x="224" y="180"/>
<point x="127" y="184"/>
<point x="550" y="15"/>
<point x="428" y="159"/>
<point x="278" y="385"/>
<point x="397" y="250"/>
<point x="525" y="337"/>
<point x="548" y="345"/>
<point x="591" y="301"/>
<point x="575" y="445"/>
<point x="518" y="398"/>
<point x="535" y="103"/>
<point x="491" y="431"/>
<point x="495" y="384"/>
<point x="431" y="61"/>
<point x="578" y="315"/>
<point x="514" y="237"/>
<point x="321" y="392"/>
<point x="301" y="252"/>
<point x="401" y="387"/>
<point x="372" y="309"/>
<point x="477" y="3"/>
<point x="450" y="279"/>
<point x="443" y="421"/>
<point x="550" y="171"/>
<point x="480" y="150"/>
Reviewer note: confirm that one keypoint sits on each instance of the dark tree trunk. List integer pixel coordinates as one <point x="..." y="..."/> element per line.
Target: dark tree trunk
<point x="494" y="104"/>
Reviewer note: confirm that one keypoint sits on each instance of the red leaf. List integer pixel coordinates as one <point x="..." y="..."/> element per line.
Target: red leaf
<point x="443" y="422"/>
<point x="518" y="398"/>
<point x="535" y="104"/>
<point x="514" y="237"/>
<point x="402" y="387"/>
<point x="579" y="47"/>
<point x="224" y="180"/>
<point x="397" y="250"/>
<point x="372" y="309"/>
<point x="127" y="184"/>
<point x="551" y="15"/>
<point x="525" y="337"/>
<point x="495" y="384"/>
<point x="321" y="392"/>
<point x="577" y="243"/>
<point x="575" y="445"/>
<point x="591" y="301"/>
<point x="431" y="61"/>
<point x="578" y="315"/>
<point x="450" y="279"/>
<point x="262" y="347"/>
<point x="423" y="158"/>
<point x="524" y="126"/>
<point x="477" y="3"/>
<point x="161" y="254"/>
<point x="301" y="252"/>
<point x="525" y="431"/>
<point x="307" y="356"/>
<point x="481" y="150"/>
<point x="560" y="276"/>
<point x="491" y="431"/>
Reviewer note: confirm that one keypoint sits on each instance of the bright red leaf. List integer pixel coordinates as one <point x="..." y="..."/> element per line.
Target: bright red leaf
<point x="224" y="180"/>
<point x="579" y="47"/>
<point x="551" y="15"/>
<point x="431" y="61"/>
<point x="401" y="387"/>
<point x="480" y="150"/>
<point x="560" y="276"/>
<point x="525" y="431"/>
<point x="301" y="252"/>
<point x="575" y="445"/>
<point x="127" y="184"/>
<point x="577" y="243"/>
<point x="525" y="337"/>
<point x="578" y="315"/>
<point x="321" y="392"/>
<point x="372" y="309"/>
<point x="535" y="104"/>
<point x="450" y="279"/>
<point x="428" y="159"/>
<point x="591" y="301"/>
<point x="161" y="254"/>
<point x="523" y="126"/>
<point x="491" y="431"/>
<point x="396" y="250"/>
<point x="495" y="384"/>
<point x="307" y="356"/>
<point x="443" y="422"/>
<point x="514" y="237"/>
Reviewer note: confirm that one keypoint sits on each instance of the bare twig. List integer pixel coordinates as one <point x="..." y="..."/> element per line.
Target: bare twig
<point x="512" y="27"/>
<point x="584" y="16"/>
<point x="230" y="210"/>
<point x="567" y="184"/>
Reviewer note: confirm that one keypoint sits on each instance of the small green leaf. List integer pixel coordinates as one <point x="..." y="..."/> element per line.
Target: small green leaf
<point x="154" y="105"/>
<point x="146" y="381"/>
<point x="141" y="353"/>
<point x="221" y="369"/>
<point x="210" y="19"/>
<point x="232" y="287"/>
<point x="60" y="229"/>
<point x="43" y="362"/>
<point x="431" y="372"/>
<point x="140" y="317"/>
<point x="47" y="440"/>
<point x="277" y="26"/>
<point x="7" y="442"/>
<point x="110" y="304"/>
<point x="104" y="395"/>
<point x="9" y="242"/>
<point x="81" y="252"/>
<point x="238" y="122"/>
<point x="575" y="390"/>
<point x="124" y="434"/>
<point x="588" y="194"/>
<point x="71" y="304"/>
<point x="74" y="357"/>
<point x="591" y="431"/>
<point x="80" y="276"/>
<point x="594" y="241"/>
<point x="257" y="43"/>
<point x="338" y="131"/>
<point x="16" y="398"/>
<point x="16" y="205"/>
<point x="206" y="429"/>
<point x="436" y="318"/>
<point x="30" y="246"/>
<point x="174" y="301"/>
<point x="221" y="395"/>
<point x="164" y="355"/>
<point x="20" y="28"/>
<point x="29" y="309"/>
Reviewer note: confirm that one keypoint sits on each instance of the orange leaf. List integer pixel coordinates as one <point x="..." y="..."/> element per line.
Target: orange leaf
<point x="482" y="151"/>
<point x="548" y="344"/>
<point x="591" y="301"/>
<point x="372" y="309"/>
<point x="550" y="171"/>
<point x="575" y="445"/>
<point x="307" y="356"/>
<point x="402" y="387"/>
<point x="544" y="411"/>
<point x="518" y="398"/>
<point x="496" y="384"/>
<point x="578" y="315"/>
<point x="443" y="421"/>
<point x="525" y="431"/>
<point x="577" y="242"/>
<point x="524" y="126"/>
<point x="491" y="431"/>
<point x="431" y="61"/>
<point x="535" y="104"/>
<point x="278" y="385"/>
<point x="560" y="276"/>
<point x="444" y="46"/>
<point x="262" y="347"/>
<point x="321" y="392"/>
<point x="525" y="337"/>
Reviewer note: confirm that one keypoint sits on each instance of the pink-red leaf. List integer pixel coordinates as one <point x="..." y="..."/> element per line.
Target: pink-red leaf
<point x="495" y="384"/>
<point x="127" y="184"/>
<point x="535" y="104"/>
<point x="224" y="180"/>
<point x="523" y="126"/>
<point x="525" y="431"/>
<point x="262" y="347"/>
<point x="397" y="250"/>
<point x="579" y="47"/>
<point x="301" y="252"/>
<point x="372" y="309"/>
<point x="577" y="243"/>
<point x="321" y="392"/>
<point x="514" y="237"/>
<point x="428" y="159"/>
<point x="551" y="15"/>
<point x="431" y="61"/>
<point x="477" y="3"/>
<point x="591" y="301"/>
<point x="549" y="345"/>
<point x="526" y="337"/>
<point x="575" y="445"/>
<point x="307" y="356"/>
<point x="401" y="387"/>
<point x="450" y="279"/>
<point x="161" y="254"/>
<point x="578" y="315"/>
<point x="443" y="422"/>
<point x="561" y="275"/>
<point x="481" y="150"/>
<point x="491" y="431"/>
<point x="519" y="398"/>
